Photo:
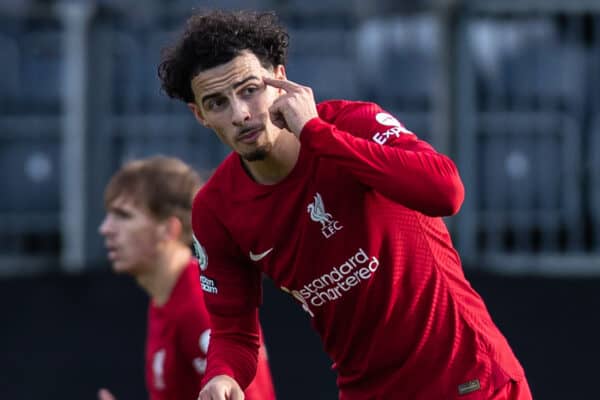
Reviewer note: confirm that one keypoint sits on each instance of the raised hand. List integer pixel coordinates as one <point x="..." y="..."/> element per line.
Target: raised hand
<point x="221" y="387"/>
<point x="293" y="109"/>
<point x="105" y="394"/>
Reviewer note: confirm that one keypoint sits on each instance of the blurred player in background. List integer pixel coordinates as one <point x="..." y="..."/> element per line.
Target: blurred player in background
<point x="148" y="236"/>
<point x="342" y="207"/>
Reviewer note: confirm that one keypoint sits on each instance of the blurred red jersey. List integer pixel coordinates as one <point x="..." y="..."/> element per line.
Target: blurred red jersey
<point x="177" y="341"/>
<point x="354" y="233"/>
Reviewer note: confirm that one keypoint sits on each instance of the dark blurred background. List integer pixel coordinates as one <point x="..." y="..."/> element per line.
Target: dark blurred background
<point x="509" y="89"/>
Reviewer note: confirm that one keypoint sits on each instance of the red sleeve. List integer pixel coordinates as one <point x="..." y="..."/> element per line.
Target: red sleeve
<point x="232" y="294"/>
<point x="381" y="153"/>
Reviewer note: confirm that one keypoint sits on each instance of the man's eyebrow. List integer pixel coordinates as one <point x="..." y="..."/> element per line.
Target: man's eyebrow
<point x="119" y="210"/>
<point x="235" y="86"/>
<point x="240" y="83"/>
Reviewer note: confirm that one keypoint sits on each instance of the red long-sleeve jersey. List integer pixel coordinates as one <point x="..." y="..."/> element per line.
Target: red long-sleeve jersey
<point x="355" y="234"/>
<point x="178" y="336"/>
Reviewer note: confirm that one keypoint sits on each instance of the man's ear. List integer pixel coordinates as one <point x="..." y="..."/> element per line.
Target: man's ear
<point x="198" y="114"/>
<point x="279" y="72"/>
<point x="171" y="228"/>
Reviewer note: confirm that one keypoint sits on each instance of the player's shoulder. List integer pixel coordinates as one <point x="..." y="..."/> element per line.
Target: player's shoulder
<point x="359" y="118"/>
<point x="335" y="111"/>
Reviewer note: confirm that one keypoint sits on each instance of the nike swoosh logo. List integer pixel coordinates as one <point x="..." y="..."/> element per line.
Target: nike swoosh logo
<point x="260" y="256"/>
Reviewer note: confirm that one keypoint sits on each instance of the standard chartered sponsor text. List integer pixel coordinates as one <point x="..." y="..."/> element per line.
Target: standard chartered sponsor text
<point x="341" y="279"/>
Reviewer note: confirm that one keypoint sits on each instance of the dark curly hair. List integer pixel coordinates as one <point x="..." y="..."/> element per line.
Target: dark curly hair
<point x="215" y="37"/>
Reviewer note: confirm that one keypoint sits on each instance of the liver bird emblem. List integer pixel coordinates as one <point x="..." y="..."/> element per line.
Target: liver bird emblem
<point x="317" y="212"/>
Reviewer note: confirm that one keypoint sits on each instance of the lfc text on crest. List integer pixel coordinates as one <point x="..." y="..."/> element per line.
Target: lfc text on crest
<point x="316" y="210"/>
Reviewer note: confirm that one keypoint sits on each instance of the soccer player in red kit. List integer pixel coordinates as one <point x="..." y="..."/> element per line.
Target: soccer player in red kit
<point x="342" y="207"/>
<point x="148" y="235"/>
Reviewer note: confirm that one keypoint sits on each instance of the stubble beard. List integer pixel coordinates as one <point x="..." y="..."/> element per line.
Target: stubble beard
<point x="258" y="154"/>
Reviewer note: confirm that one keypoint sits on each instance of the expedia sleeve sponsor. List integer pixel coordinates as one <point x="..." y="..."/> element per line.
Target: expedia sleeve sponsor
<point x="208" y="285"/>
<point x="395" y="128"/>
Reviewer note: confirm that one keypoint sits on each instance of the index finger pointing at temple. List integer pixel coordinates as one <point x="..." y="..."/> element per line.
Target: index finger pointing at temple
<point x="280" y="83"/>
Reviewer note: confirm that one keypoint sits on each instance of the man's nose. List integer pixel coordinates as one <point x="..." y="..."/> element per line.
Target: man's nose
<point x="241" y="112"/>
<point x="104" y="228"/>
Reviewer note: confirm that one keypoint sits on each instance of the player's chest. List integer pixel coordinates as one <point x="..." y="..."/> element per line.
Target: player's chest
<point x="161" y="356"/>
<point x="288" y="232"/>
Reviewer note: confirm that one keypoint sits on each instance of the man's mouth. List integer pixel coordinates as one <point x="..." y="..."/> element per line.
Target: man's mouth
<point x="250" y="135"/>
<point x="112" y="252"/>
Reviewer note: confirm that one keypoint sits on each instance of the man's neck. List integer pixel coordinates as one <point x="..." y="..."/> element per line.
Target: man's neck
<point x="278" y="164"/>
<point x="159" y="283"/>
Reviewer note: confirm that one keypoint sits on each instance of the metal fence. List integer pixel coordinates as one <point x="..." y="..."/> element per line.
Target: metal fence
<point x="525" y="138"/>
<point x="510" y="90"/>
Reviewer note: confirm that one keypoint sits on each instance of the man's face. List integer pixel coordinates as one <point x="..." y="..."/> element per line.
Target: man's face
<point x="232" y="100"/>
<point x="131" y="237"/>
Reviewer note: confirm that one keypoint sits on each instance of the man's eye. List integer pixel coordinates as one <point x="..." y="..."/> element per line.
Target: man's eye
<point x="215" y="104"/>
<point x="249" y="90"/>
<point x="122" y="214"/>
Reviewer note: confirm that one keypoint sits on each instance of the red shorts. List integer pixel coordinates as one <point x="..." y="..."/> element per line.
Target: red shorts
<point x="513" y="390"/>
